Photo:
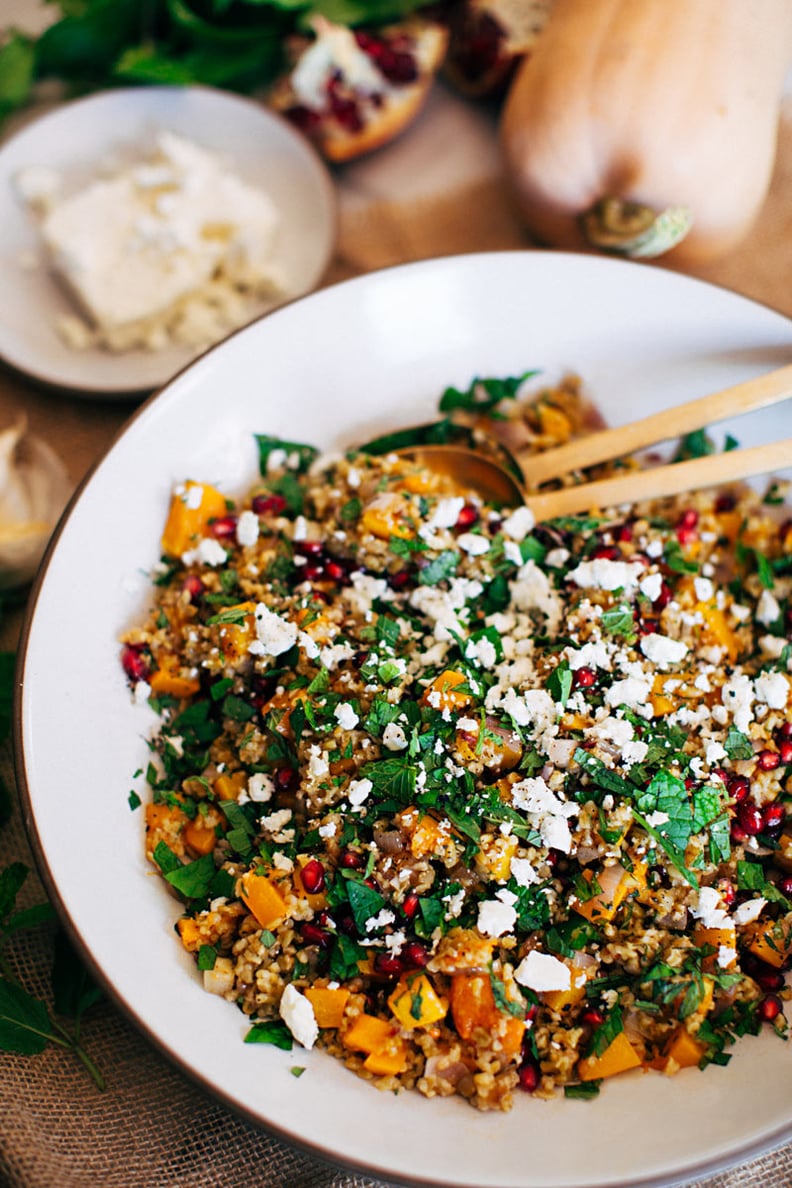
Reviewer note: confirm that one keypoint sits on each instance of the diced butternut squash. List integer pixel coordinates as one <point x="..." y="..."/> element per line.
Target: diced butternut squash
<point x="234" y="639"/>
<point x="718" y="938"/>
<point x="199" y="835"/>
<point x="389" y="514"/>
<point x="616" y="884"/>
<point x="473" y="1006"/>
<point x="494" y="856"/>
<point x="445" y="693"/>
<point x="168" y="682"/>
<point x="620" y="1056"/>
<point x="772" y="942"/>
<point x="560" y="1000"/>
<point x="264" y="899"/>
<point x="229" y="786"/>
<point x="553" y="422"/>
<point x="368" y="1033"/>
<point x="328" y="1004"/>
<point x="164" y="823"/>
<point x="718" y="630"/>
<point x="192" y="506"/>
<point x="684" y="1051"/>
<point x="415" y="1002"/>
<point x="284" y="703"/>
<point x="661" y="705"/>
<point x="427" y="835"/>
<point x="420" y="482"/>
<point x="389" y="1060"/>
<point x="190" y="933"/>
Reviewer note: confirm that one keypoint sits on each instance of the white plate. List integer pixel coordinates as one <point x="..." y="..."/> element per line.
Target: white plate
<point x="331" y="369"/>
<point x="77" y="138"/>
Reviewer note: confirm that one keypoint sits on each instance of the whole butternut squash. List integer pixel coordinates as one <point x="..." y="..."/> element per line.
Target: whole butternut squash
<point x="638" y="125"/>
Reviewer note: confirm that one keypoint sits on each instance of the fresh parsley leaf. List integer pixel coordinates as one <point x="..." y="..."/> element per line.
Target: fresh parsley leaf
<point x="193" y="879"/>
<point x="619" y="621"/>
<point x="304" y="455"/>
<point x="738" y="745"/>
<point x="273" y="1031"/>
<point x="350" y="511"/>
<point x="207" y="957"/>
<point x="559" y="683"/>
<point x="365" y="903"/>
<point x="483" y="395"/>
<point x="443" y="567"/>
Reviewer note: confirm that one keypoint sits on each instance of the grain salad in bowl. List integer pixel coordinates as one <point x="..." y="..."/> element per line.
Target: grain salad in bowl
<point x="475" y="804"/>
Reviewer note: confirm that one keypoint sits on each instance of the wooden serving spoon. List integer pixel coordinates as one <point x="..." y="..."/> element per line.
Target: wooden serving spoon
<point x="493" y="481"/>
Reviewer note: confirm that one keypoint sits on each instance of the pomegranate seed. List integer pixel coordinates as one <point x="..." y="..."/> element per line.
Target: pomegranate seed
<point x="309" y="548"/>
<point x="224" y="527"/>
<point x="312" y="934"/>
<point x="725" y="503"/>
<point x="785" y="730"/>
<point x="774" y="816"/>
<point x="768" y="760"/>
<point x="134" y="663"/>
<point x="398" y="581"/>
<point x="728" y="893"/>
<point x="768" y="979"/>
<point x="528" y="1077"/>
<point x="738" y="787"/>
<point x="686" y="536"/>
<point x="414" y="955"/>
<point x="663" y="598"/>
<point x="347" y="924"/>
<point x="193" y="586"/>
<point x="335" y="572"/>
<point x="351" y="860"/>
<point x="606" y="553"/>
<point x="468" y="516"/>
<point x="268" y="505"/>
<point x="785" y="886"/>
<point x="387" y="964"/>
<point x="585" y="677"/>
<point x="785" y="751"/>
<point x="312" y="876"/>
<point x="737" y="833"/>
<point x="770" y="1008"/>
<point x="648" y="626"/>
<point x="531" y="1012"/>
<point x="286" y="779"/>
<point x="345" y="111"/>
<point x="625" y="533"/>
<point x="688" y="519"/>
<point x="410" y="905"/>
<point x="750" y="818"/>
<point x="312" y="573"/>
<point x="303" y="118"/>
<point x="593" y="1017"/>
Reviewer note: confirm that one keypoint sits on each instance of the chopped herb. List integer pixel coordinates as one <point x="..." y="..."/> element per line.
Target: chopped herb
<point x="271" y="1032"/>
<point x="296" y="452"/>
<point x="441" y="569"/>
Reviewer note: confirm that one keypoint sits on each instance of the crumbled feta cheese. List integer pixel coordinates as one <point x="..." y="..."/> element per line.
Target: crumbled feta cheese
<point x="298" y="1015"/>
<point x="393" y="737"/>
<point x="276" y="821"/>
<point x="517" y="525"/>
<point x="632" y="692"/>
<point x="141" y="692"/>
<point x="260" y="787"/>
<point x="657" y="818"/>
<point x="704" y="588"/>
<point x="651" y="586"/>
<point x="208" y="552"/>
<point x="382" y="919"/>
<point x="542" y="972"/>
<point x="345" y="715"/>
<point x="358" y="791"/>
<point x="511" y="552"/>
<point x="335" y="654"/>
<point x="445" y="514"/>
<point x="749" y="911"/>
<point x="308" y="645"/>
<point x="709" y="909"/>
<point x="328" y="830"/>
<point x="482" y="652"/>
<point x="473" y="543"/>
<point x="497" y="916"/>
<point x="737" y="695"/>
<point x="772" y="689"/>
<point x="523" y="872"/>
<point x="663" y="651"/>
<point x="556" y="558"/>
<point x="247" y="529"/>
<point x="533" y="590"/>
<point x="318" y="767"/>
<point x="727" y="955"/>
<point x="274" y="635"/>
<point x="767" y="609"/>
<point x="600" y="573"/>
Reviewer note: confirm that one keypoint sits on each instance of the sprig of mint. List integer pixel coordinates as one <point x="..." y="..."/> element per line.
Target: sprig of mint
<point x="26" y="1024"/>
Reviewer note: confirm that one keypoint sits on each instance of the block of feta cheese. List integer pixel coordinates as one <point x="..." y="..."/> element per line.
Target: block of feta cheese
<point x="171" y="249"/>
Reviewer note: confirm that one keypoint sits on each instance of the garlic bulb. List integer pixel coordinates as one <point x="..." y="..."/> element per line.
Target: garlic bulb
<point x="34" y="489"/>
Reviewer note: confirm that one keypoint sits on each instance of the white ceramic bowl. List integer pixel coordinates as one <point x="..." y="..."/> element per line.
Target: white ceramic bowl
<point x="334" y="368"/>
<point x="78" y="138"/>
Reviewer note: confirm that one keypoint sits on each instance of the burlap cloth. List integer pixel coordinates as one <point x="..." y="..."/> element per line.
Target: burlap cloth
<point x="438" y="191"/>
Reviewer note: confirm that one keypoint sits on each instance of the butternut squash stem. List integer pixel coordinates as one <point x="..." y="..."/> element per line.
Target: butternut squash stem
<point x="630" y="229"/>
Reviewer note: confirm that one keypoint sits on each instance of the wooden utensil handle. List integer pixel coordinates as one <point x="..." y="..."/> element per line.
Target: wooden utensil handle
<point x="755" y="393"/>
<point x="660" y="481"/>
